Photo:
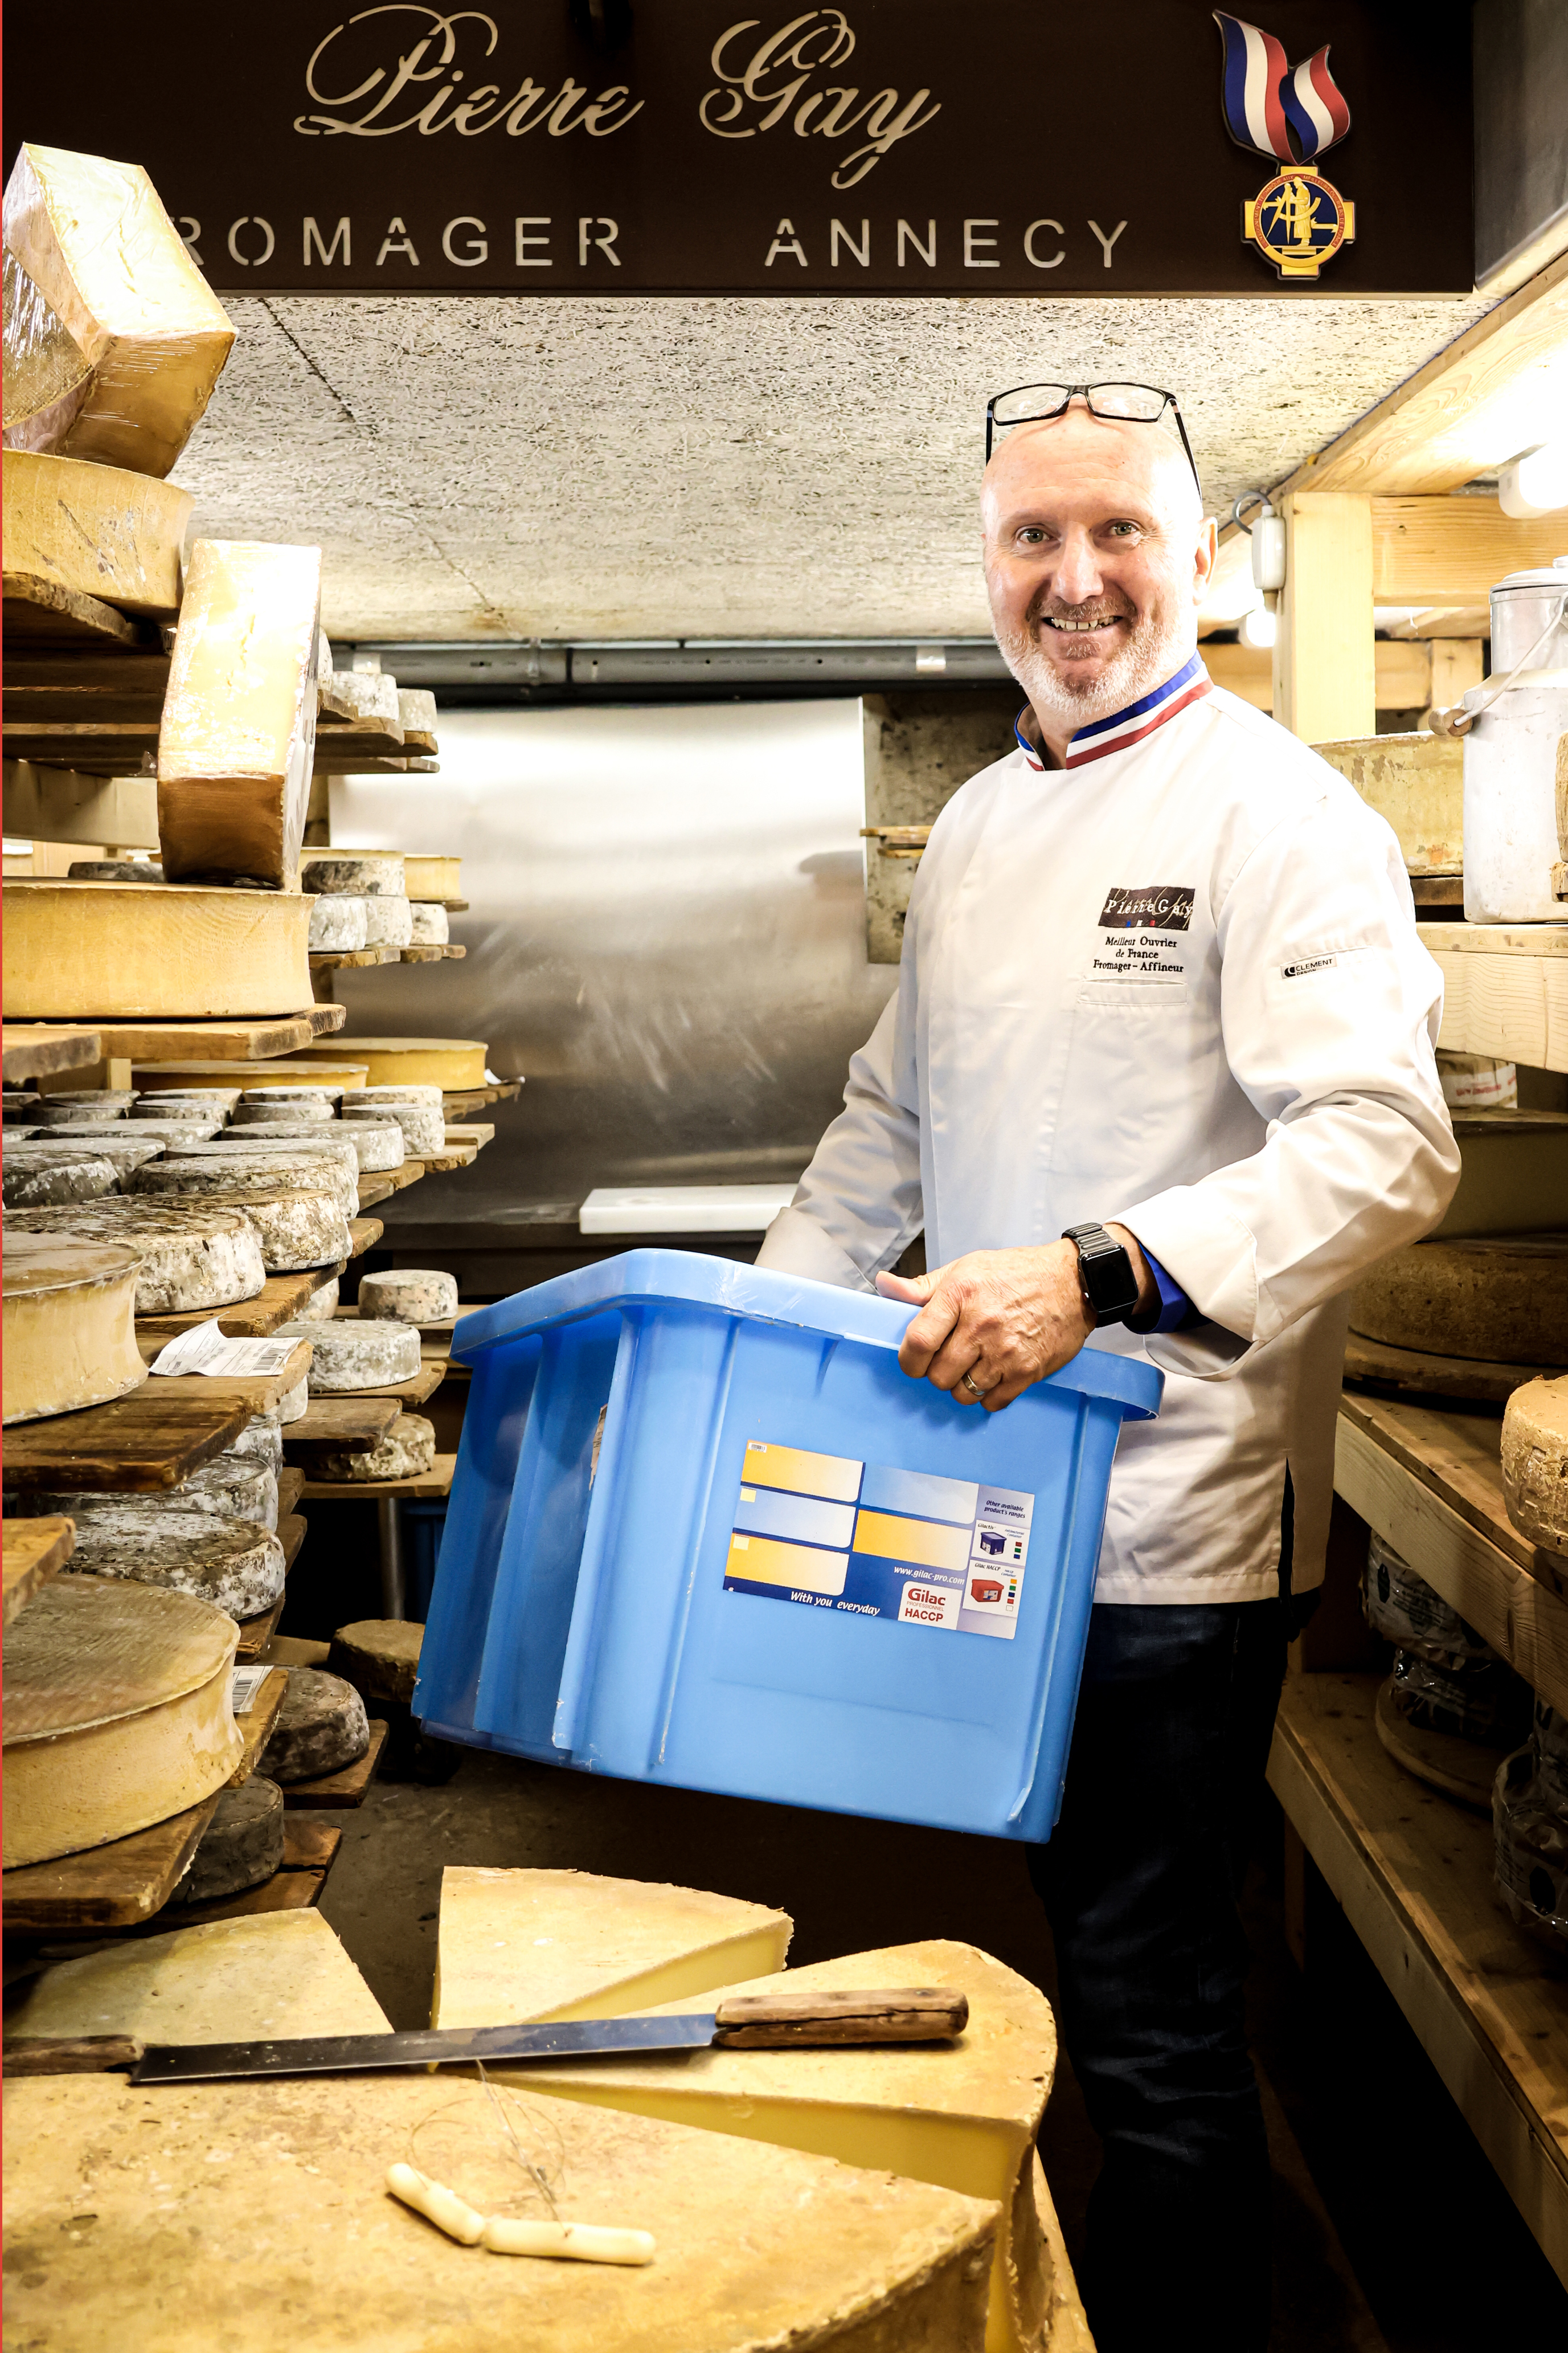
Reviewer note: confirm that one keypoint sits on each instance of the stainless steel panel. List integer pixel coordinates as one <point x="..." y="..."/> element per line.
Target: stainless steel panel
<point x="666" y="937"/>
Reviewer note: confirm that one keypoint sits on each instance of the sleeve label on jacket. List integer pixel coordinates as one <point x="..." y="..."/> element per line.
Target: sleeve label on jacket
<point x="876" y="1542"/>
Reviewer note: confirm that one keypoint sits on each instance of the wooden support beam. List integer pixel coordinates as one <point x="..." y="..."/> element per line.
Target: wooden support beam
<point x="1325" y="682"/>
<point x="1404" y="680"/>
<point x="1443" y="551"/>
<point x="64" y="805"/>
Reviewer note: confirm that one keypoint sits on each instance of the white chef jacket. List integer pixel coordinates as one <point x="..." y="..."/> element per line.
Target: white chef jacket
<point x="1176" y="984"/>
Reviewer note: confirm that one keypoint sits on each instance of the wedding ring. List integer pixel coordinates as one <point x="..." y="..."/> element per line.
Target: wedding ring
<point x="970" y="1382"/>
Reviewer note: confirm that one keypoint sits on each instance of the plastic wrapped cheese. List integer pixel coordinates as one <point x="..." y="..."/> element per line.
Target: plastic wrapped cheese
<point x="48" y="374"/>
<point x="96" y="242"/>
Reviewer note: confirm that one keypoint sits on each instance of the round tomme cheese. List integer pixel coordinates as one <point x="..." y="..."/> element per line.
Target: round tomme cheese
<point x="27" y="1184"/>
<point x="300" y="1225"/>
<point x="321" y="1305"/>
<point x="189" y="1111"/>
<point x="241" y="1846"/>
<point x="220" y="1101"/>
<point x="1503" y="1300"/>
<point x="238" y="1565"/>
<point x="379" y="1656"/>
<point x="452" y="1063"/>
<point x="305" y="1092"/>
<point x="231" y="1487"/>
<point x="182" y="1124"/>
<point x="407" y="1452"/>
<point x="366" y="874"/>
<point x="322" y="1726"/>
<point x="260" y="1170"/>
<point x="116" y="1713"/>
<point x="123" y="1152"/>
<point x="311" y="1111"/>
<point x="294" y="1404"/>
<point x="378" y="1143"/>
<point x="78" y="1111"/>
<point x="388" y="923"/>
<point x="337" y="922"/>
<point x="349" y="1355"/>
<point x="114" y="869"/>
<point x="424" y="1129"/>
<point x="369" y="1097"/>
<point x="1535" y="1462"/>
<point x="68" y="1326"/>
<point x="431" y="928"/>
<point x="261" y="1441"/>
<point x="190" y="1258"/>
<point x="409" y="1295"/>
<point x="109" y="1099"/>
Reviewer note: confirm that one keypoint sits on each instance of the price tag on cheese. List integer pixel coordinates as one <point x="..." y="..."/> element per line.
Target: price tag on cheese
<point x="205" y="1349"/>
<point x="244" y="1685"/>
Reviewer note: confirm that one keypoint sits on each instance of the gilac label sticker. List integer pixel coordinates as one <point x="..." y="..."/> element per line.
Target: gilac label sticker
<point x="828" y="1533"/>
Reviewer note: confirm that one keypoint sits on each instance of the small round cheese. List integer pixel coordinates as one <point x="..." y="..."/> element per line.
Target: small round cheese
<point x="364" y="875"/>
<point x="240" y="1847"/>
<point x="189" y="1257"/>
<point x="337" y="922"/>
<point x="322" y="1726"/>
<point x="68" y="1111"/>
<point x="409" y="1295"/>
<point x="322" y="1304"/>
<point x="350" y="1354"/>
<point x="294" y="1404"/>
<point x="378" y="1143"/>
<point x="424" y="1129"/>
<point x="238" y="1565"/>
<point x="189" y="1110"/>
<point x="25" y="1187"/>
<point x="1535" y="1462"/>
<point x="431" y="928"/>
<point x="387" y="922"/>
<point x="307" y="1092"/>
<point x="220" y="1101"/>
<point x="182" y="1124"/>
<point x="309" y="1110"/>
<point x="123" y="1152"/>
<point x="379" y="1656"/>
<point x="365" y="1097"/>
<point x="407" y="1451"/>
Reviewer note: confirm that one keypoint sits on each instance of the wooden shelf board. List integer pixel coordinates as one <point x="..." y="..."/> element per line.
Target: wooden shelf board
<point x="461" y="1155"/>
<point x="1423" y="1375"/>
<point x="1521" y="1612"/>
<point x="257" y="1392"/>
<point x="412" y="1392"/>
<point x="345" y="1788"/>
<point x="289" y="1482"/>
<point x="436" y="1482"/>
<point x="1505" y="990"/>
<point x="324" y="1018"/>
<point x="35" y="1050"/>
<point x="477" y="1133"/>
<point x="1458" y="1456"/>
<point x="138" y="1444"/>
<point x="1414" y="1874"/>
<point x="330" y="959"/>
<point x="40" y="614"/>
<point x="256" y="1041"/>
<point x="364" y="1234"/>
<point x="345" y="1425"/>
<point x="35" y="1552"/>
<point x="1462" y="1769"/>
<point x="378" y="1187"/>
<point x="280" y="1300"/>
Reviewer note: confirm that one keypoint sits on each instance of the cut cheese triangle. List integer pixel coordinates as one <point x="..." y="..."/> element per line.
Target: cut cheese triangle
<point x="962" y="2115"/>
<point x="241" y="2215"/>
<point x="280" y="1973"/>
<point x="566" y="1943"/>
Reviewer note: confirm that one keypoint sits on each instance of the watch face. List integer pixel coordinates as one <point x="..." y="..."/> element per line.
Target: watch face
<point x="1106" y="1272"/>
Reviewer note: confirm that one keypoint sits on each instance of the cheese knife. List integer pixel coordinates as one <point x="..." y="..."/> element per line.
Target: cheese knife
<point x="748" y="2021"/>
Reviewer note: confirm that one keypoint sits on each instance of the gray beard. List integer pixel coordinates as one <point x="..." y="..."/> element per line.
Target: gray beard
<point x="1144" y="662"/>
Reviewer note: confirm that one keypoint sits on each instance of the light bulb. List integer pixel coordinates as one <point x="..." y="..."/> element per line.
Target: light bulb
<point x="1257" y="629"/>
<point x="1536" y="484"/>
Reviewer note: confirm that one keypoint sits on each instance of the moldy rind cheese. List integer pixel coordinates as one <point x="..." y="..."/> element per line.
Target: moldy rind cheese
<point x="96" y="242"/>
<point x="1500" y="1301"/>
<point x="188" y="1257"/>
<point x="1535" y="1462"/>
<point x="70" y="1325"/>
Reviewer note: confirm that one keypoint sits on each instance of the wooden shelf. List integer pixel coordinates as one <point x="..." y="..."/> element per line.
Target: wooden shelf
<point x="36" y="1051"/>
<point x="364" y="1234"/>
<point x="1446" y="1376"/>
<point x="310" y="1850"/>
<point x="35" y="1552"/>
<point x="1505" y="990"/>
<point x="434" y="1482"/>
<point x="1430" y="1486"/>
<point x="139" y="1444"/>
<point x="344" y="1425"/>
<point x="218" y="1041"/>
<point x="1414" y="1874"/>
<point x="280" y="1300"/>
<point x="40" y="616"/>
<point x="345" y="1788"/>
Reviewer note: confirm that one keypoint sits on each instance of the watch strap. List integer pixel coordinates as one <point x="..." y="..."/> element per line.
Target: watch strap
<point x="1105" y="1271"/>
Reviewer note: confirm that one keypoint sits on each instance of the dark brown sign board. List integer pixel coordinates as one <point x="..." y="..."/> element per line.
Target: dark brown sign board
<point x="887" y="147"/>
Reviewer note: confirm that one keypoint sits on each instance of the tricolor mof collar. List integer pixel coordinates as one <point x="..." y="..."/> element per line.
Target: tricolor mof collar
<point x="1125" y="728"/>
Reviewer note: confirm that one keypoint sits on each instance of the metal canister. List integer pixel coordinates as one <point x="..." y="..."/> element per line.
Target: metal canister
<point x="1513" y="850"/>
<point x="1521" y="607"/>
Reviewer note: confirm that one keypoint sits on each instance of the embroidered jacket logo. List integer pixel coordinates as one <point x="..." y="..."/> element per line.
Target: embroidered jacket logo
<point x="1148" y="907"/>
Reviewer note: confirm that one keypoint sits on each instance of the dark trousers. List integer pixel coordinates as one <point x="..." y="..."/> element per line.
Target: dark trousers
<point x="1139" y="1883"/>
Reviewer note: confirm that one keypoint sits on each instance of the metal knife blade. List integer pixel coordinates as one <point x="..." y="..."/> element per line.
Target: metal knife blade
<point x="353" y="2054"/>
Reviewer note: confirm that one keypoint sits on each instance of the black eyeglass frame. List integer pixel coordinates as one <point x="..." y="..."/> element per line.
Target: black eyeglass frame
<point x="1087" y="391"/>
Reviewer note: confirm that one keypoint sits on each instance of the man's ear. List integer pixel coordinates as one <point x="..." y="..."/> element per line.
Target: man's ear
<point x="1204" y="558"/>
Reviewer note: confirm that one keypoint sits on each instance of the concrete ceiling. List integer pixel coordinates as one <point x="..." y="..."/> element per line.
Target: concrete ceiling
<point x="491" y="467"/>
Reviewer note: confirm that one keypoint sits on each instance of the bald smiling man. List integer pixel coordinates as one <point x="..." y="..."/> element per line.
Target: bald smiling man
<point x="1160" y="1070"/>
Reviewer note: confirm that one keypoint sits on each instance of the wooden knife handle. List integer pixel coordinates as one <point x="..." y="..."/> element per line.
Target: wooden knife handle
<point x="88" y="2054"/>
<point x="781" y="2020"/>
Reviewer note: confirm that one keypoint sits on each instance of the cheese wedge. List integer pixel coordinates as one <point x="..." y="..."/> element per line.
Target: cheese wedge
<point x="225" y="2213"/>
<point x="567" y="1944"/>
<point x="962" y="2115"/>
<point x="121" y="951"/>
<point x="239" y="728"/>
<point x="47" y="376"/>
<point x="94" y="531"/>
<point x="96" y="242"/>
<point x="281" y="1973"/>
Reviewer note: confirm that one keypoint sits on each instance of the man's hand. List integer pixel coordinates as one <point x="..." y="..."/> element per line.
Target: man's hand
<point x="995" y="1322"/>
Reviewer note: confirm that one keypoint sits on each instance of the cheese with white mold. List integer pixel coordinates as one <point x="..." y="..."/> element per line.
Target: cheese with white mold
<point x="98" y="532"/>
<point x="38" y="1184"/>
<point x="424" y="1130"/>
<point x="406" y="1451"/>
<point x="96" y="242"/>
<point x="337" y="923"/>
<point x="963" y="2113"/>
<point x="388" y="923"/>
<point x="430" y="925"/>
<point x="238" y="736"/>
<point x="294" y="1404"/>
<point x="378" y="1143"/>
<point x="228" y="1486"/>
<point x="188" y="1257"/>
<point x="1535" y="1462"/>
<point x="353" y="874"/>
<point x="349" y="1354"/>
<point x="123" y="1152"/>
<point x="237" y="1566"/>
<point x="70" y="1325"/>
<point x="322" y="1727"/>
<point x="229" y="1165"/>
<point x="276" y="1974"/>
<point x="301" y="1225"/>
<point x="116" y="1713"/>
<point x="321" y="1305"/>
<point x="409" y="1295"/>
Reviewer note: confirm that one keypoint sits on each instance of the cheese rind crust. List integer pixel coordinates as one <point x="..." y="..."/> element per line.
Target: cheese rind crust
<point x="1535" y="1462"/>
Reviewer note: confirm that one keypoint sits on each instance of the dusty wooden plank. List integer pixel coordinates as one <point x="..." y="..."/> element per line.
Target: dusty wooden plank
<point x="111" y="1887"/>
<point x="345" y="1788"/>
<point x="434" y="1484"/>
<point x="1414" y="1874"/>
<point x="1413" y="1371"/>
<point x="37" y="1050"/>
<point x="364" y="1234"/>
<point x="1525" y="1620"/>
<point x="1512" y="1006"/>
<point x="226" y="1041"/>
<point x="347" y="1425"/>
<point x="134" y="1445"/>
<point x="1456" y="1455"/>
<point x="478" y="1133"/>
<point x="456" y="1155"/>
<point x="257" y="1392"/>
<point x="411" y="1392"/>
<point x="34" y="1550"/>
<point x="280" y="1300"/>
<point x="375" y="1188"/>
<point x="39" y="614"/>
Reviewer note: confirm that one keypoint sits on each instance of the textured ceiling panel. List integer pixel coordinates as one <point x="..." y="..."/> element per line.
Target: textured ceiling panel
<point x="678" y="468"/>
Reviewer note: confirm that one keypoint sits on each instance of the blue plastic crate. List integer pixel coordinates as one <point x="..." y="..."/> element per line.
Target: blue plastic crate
<point x="704" y="1531"/>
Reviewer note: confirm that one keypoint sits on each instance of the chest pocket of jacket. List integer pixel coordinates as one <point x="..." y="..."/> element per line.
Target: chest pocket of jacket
<point x="1128" y="1082"/>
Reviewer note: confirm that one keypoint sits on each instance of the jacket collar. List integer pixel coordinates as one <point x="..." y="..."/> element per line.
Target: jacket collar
<point x="1123" y="728"/>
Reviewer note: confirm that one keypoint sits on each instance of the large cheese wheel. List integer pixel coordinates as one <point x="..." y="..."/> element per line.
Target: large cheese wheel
<point x="337" y="922"/>
<point x="78" y="1111"/>
<point x="280" y="1973"/>
<point x="238" y="1171"/>
<point x="233" y="1485"/>
<point x="94" y="530"/>
<point x="70" y="1325"/>
<point x="227" y="2207"/>
<point x="350" y="1354"/>
<point x="1513" y="1173"/>
<point x="117" y="1713"/>
<point x="322" y="1727"/>
<point x="312" y="1110"/>
<point x="38" y="1184"/>
<point x="354" y="873"/>
<point x="96" y="242"/>
<point x="388" y="923"/>
<point x="115" y="951"/>
<point x="122" y="1153"/>
<point x="406" y="1451"/>
<point x="241" y="1846"/>
<point x="188" y="1257"/>
<point x="1535" y="1462"/>
<point x="185" y="1111"/>
<point x="300" y="1227"/>
<point x="1500" y="1301"/>
<point x="965" y="2112"/>
<point x="424" y="1130"/>
<point x="430" y="926"/>
<point x="453" y="1063"/>
<point x="410" y="1294"/>
<point x="235" y="1565"/>
<point x="568" y="1944"/>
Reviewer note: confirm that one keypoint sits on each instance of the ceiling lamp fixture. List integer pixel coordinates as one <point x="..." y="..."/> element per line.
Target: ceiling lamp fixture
<point x="1536" y="483"/>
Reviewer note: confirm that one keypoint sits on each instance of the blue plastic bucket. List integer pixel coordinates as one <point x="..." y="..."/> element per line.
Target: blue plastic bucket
<point x="704" y="1531"/>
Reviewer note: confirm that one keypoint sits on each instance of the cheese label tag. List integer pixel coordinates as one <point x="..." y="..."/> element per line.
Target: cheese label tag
<point x="244" y="1685"/>
<point x="829" y="1533"/>
<point x="206" y="1349"/>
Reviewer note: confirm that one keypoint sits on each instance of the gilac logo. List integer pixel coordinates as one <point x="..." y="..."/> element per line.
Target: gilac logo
<point x="1291" y="114"/>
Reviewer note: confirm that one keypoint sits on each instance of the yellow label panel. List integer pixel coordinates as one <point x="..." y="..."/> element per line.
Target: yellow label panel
<point x="802" y="1472"/>
<point x="762" y="1560"/>
<point x="922" y="1543"/>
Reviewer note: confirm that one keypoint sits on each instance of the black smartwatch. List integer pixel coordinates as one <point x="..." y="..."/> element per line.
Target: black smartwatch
<point x="1105" y="1271"/>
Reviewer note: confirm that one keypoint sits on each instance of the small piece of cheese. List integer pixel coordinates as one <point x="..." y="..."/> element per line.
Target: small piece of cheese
<point x="322" y="1726"/>
<point x="1535" y="1462"/>
<point x="350" y="1354"/>
<point x="407" y="1451"/>
<point x="409" y="1295"/>
<point x="94" y="531"/>
<point x="70" y="1325"/>
<point x="96" y="242"/>
<point x="238" y="730"/>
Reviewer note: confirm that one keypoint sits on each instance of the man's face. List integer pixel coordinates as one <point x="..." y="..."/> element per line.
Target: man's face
<point x="1096" y="558"/>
